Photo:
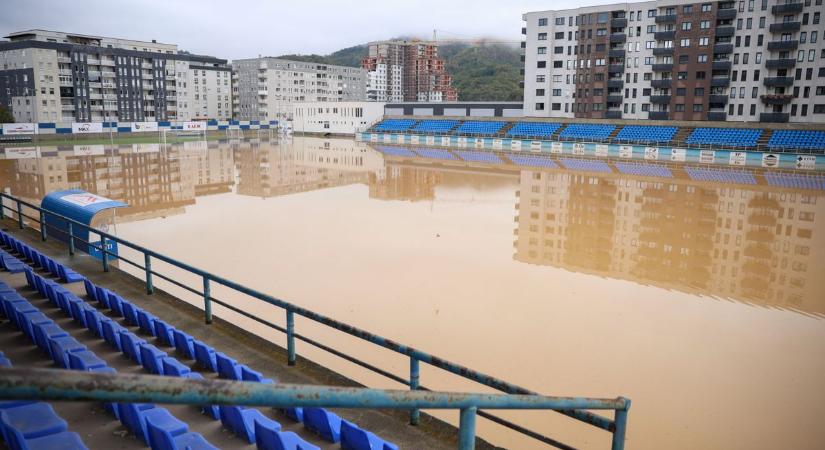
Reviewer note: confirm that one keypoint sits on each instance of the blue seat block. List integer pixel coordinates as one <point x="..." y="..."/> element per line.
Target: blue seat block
<point x="354" y="438"/>
<point x="79" y="309"/>
<point x="242" y="421"/>
<point x="85" y="360"/>
<point x="183" y="343"/>
<point x="61" y="346"/>
<point x="161" y="431"/>
<point x="174" y="368"/>
<point x="18" y="309"/>
<point x="69" y="305"/>
<point x="29" y="320"/>
<point x="7" y="301"/>
<point x="43" y="333"/>
<point x="115" y="303"/>
<point x="135" y="417"/>
<point x="248" y="374"/>
<point x="31" y="421"/>
<point x="130" y="345"/>
<point x="151" y="357"/>
<point x="93" y="319"/>
<point x="65" y="440"/>
<point x="228" y="368"/>
<point x="272" y="439"/>
<point x="205" y="356"/>
<point x="111" y="333"/>
<point x="323" y="423"/>
<point x="68" y="275"/>
<point x="164" y="332"/>
<point x="130" y="313"/>
<point x="30" y="277"/>
<point x="166" y="437"/>
<point x="296" y="414"/>
<point x="146" y="322"/>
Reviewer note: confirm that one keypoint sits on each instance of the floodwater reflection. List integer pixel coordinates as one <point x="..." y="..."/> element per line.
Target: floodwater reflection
<point x="690" y="297"/>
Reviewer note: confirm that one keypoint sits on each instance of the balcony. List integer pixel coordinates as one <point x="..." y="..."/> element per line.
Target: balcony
<point x="614" y="98"/>
<point x="725" y="13"/>
<point x="618" y="37"/>
<point x="785" y="27"/>
<point x="720" y="82"/>
<point x="783" y="45"/>
<point x="776" y="99"/>
<point x="616" y="53"/>
<point x="787" y="8"/>
<point x="778" y="81"/>
<point x="723" y="48"/>
<point x="612" y="114"/>
<point x="661" y="84"/>
<point x="618" y="22"/>
<point x="717" y="98"/>
<point x="666" y="18"/>
<point x="66" y="107"/>
<point x="717" y="116"/>
<point x="263" y="93"/>
<point x="774" y="117"/>
<point x="657" y="115"/>
<point x="663" y="51"/>
<point x="784" y="63"/>
<point x="663" y="67"/>
<point x="722" y="65"/>
<point x="615" y="84"/>
<point x="615" y="68"/>
<point x="664" y="35"/>
<point x="725" y="31"/>
<point x="660" y="99"/>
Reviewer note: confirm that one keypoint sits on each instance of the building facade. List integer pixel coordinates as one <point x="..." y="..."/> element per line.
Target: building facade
<point x="749" y="60"/>
<point x="336" y="117"/>
<point x="268" y="88"/>
<point x="407" y="71"/>
<point x="48" y="76"/>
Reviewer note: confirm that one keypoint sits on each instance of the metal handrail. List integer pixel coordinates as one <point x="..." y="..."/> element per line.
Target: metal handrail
<point x="71" y="385"/>
<point x="615" y="426"/>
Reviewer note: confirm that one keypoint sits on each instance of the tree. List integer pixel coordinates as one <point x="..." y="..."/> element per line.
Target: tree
<point x="5" y="115"/>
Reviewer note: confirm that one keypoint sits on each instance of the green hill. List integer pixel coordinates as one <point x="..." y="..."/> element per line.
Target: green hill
<point x="482" y="72"/>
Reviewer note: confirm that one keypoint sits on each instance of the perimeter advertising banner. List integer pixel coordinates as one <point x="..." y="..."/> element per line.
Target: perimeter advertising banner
<point x="140" y="127"/>
<point x="87" y="127"/>
<point x="19" y="128"/>
<point x="194" y="126"/>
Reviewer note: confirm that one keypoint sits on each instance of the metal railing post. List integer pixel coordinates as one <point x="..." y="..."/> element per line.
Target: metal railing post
<point x="147" y="265"/>
<point x="104" y="257"/>
<point x="620" y="431"/>
<point x="2" y="209"/>
<point x="42" y="225"/>
<point x="71" y="240"/>
<point x="467" y="429"/>
<point x="207" y="301"/>
<point x="415" y="414"/>
<point x="20" y="214"/>
<point x="290" y="337"/>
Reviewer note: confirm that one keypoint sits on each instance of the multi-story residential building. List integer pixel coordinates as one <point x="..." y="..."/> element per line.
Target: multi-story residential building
<point x="48" y="76"/>
<point x="407" y="71"/>
<point x="267" y="88"/>
<point x="749" y="60"/>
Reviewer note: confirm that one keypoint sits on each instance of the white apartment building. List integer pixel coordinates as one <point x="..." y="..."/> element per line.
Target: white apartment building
<point x="268" y="88"/>
<point x="733" y="60"/>
<point x="50" y="76"/>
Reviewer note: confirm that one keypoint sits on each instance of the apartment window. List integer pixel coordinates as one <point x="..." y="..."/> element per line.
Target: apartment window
<point x="758" y="57"/>
<point x="557" y="50"/>
<point x="704" y="25"/>
<point x="681" y="76"/>
<point x="683" y="59"/>
<point x="540" y="78"/>
<point x="687" y="9"/>
<point x="816" y="18"/>
<point x="650" y="44"/>
<point x="706" y="7"/>
<point x="698" y="107"/>
<point x="814" y="36"/>
<point x="686" y="25"/>
<point x="761" y="22"/>
<point x="556" y="92"/>
<point x="703" y="42"/>
<point x="543" y="22"/>
<point x="680" y="107"/>
<point x="559" y="20"/>
<point x="811" y="56"/>
<point x="539" y="92"/>
<point x="754" y="92"/>
<point x="699" y="92"/>
<point x="702" y="58"/>
<point x="749" y="23"/>
<point x="651" y="13"/>
<point x="651" y="29"/>
<point x="541" y="64"/>
<point x="543" y="36"/>
<point x="681" y="92"/>
<point x="700" y="75"/>
<point x="684" y="42"/>
<point x="600" y="62"/>
<point x="542" y="50"/>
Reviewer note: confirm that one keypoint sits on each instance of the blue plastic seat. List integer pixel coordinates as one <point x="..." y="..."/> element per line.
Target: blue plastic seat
<point x="17" y="309"/>
<point x="164" y="332"/>
<point x="29" y="421"/>
<point x="323" y="423"/>
<point x="146" y="321"/>
<point x="130" y="313"/>
<point x="65" y="440"/>
<point x="248" y="374"/>
<point x="116" y="303"/>
<point x="355" y="438"/>
<point x="151" y="357"/>
<point x="61" y="346"/>
<point x="91" y="291"/>
<point x="183" y="343"/>
<point x="267" y="438"/>
<point x="174" y="368"/>
<point x="205" y="356"/>
<point x="68" y="275"/>
<point x="242" y="421"/>
<point x="93" y="321"/>
<point x="227" y="367"/>
<point x="44" y="333"/>
<point x="171" y="436"/>
<point x="29" y="320"/>
<point x="135" y="415"/>
<point x="130" y="345"/>
<point x="111" y="332"/>
<point x="295" y="413"/>
<point x="85" y="360"/>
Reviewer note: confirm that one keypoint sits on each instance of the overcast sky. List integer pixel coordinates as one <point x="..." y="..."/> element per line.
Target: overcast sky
<point x="236" y="29"/>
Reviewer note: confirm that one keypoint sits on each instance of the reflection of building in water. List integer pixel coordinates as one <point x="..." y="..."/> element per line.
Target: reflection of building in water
<point x="207" y="168"/>
<point x="148" y="180"/>
<point x="307" y="164"/>
<point x="733" y="242"/>
<point x="405" y="183"/>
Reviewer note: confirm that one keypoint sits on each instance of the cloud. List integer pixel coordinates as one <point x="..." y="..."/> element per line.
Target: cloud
<point x="246" y="28"/>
